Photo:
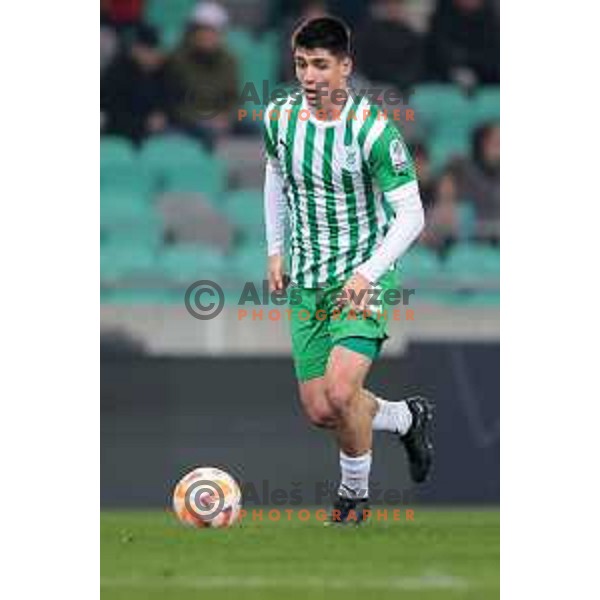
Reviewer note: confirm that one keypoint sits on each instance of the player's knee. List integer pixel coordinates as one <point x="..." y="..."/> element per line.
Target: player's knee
<point x="339" y="396"/>
<point x="316" y="408"/>
<point x="322" y="416"/>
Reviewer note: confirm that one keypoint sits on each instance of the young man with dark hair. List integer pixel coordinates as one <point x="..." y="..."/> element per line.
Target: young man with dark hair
<point x="343" y="176"/>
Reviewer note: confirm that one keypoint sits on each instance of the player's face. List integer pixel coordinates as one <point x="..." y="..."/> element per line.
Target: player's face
<point x="320" y="73"/>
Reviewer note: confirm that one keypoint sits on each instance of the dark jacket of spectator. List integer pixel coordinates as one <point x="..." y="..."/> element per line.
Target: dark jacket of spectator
<point x="464" y="43"/>
<point x="388" y="50"/>
<point x="130" y="86"/>
<point x="199" y="81"/>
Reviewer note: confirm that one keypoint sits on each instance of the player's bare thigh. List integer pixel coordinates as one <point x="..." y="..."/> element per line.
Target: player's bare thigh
<point x="345" y="377"/>
<point x="324" y="397"/>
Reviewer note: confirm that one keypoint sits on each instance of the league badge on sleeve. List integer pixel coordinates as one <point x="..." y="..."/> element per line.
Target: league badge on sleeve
<point x="398" y="155"/>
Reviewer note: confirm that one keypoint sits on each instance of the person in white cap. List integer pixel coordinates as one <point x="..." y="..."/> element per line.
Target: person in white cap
<point x="210" y="14"/>
<point x="201" y="77"/>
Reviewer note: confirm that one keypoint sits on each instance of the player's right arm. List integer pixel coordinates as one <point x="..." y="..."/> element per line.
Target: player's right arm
<point x="274" y="206"/>
<point x="393" y="170"/>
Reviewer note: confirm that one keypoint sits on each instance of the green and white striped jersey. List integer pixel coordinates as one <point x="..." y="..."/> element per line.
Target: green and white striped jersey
<point x="335" y="176"/>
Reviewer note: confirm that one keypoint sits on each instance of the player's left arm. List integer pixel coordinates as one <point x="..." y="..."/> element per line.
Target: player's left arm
<point x="274" y="211"/>
<point x="394" y="172"/>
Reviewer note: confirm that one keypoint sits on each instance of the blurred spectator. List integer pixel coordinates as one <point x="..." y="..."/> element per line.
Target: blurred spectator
<point x="423" y="168"/>
<point x="130" y="90"/>
<point x="464" y="43"/>
<point x="479" y="179"/>
<point x="306" y="9"/>
<point x="442" y="222"/>
<point x="125" y="19"/>
<point x="200" y="78"/>
<point x="122" y="12"/>
<point x="109" y="39"/>
<point x="351" y="11"/>
<point x="388" y="50"/>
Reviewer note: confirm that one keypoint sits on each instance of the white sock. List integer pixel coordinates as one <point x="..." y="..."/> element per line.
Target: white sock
<point x="355" y="475"/>
<point x="392" y="416"/>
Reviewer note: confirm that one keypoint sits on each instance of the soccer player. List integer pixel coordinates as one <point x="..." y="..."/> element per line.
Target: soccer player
<point x="342" y="176"/>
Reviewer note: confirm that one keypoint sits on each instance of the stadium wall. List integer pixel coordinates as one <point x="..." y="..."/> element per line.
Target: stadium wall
<point x="160" y="416"/>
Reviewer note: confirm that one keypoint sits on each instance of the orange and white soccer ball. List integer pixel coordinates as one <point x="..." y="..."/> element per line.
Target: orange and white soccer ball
<point x="207" y="497"/>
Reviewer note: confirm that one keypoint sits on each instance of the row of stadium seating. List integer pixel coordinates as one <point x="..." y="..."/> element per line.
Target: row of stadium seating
<point x="135" y="270"/>
<point x="182" y="217"/>
<point x="173" y="163"/>
<point x="445" y="118"/>
<point x="173" y="216"/>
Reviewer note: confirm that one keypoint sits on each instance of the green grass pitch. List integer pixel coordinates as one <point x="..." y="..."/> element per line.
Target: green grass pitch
<point x="443" y="554"/>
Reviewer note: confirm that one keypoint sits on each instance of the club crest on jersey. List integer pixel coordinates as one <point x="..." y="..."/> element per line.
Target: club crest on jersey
<point x="398" y="155"/>
<point x="351" y="159"/>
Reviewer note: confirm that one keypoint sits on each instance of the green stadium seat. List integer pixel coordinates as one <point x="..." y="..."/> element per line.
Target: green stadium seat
<point x="244" y="208"/>
<point x="169" y="12"/>
<point x="171" y="150"/>
<point x="474" y="264"/>
<point x="148" y="232"/>
<point x="486" y="105"/>
<point x="479" y="299"/>
<point x="258" y="62"/>
<point x="127" y="217"/>
<point x="444" y="147"/>
<point x="128" y="180"/>
<point x="181" y="164"/>
<point x="419" y="263"/>
<point x="123" y="205"/>
<point x="115" y="150"/>
<point x="265" y="65"/>
<point x="208" y="176"/>
<point x="140" y="295"/>
<point x="440" y="106"/>
<point x="190" y="262"/>
<point x="171" y="35"/>
<point x="240" y="42"/>
<point x="119" y="260"/>
<point x="249" y="262"/>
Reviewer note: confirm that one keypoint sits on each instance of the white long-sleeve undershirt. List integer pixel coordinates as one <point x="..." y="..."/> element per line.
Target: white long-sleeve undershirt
<point x="274" y="208"/>
<point x="404" y="230"/>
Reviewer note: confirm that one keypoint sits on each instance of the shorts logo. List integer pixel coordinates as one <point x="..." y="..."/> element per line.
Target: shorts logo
<point x="398" y="155"/>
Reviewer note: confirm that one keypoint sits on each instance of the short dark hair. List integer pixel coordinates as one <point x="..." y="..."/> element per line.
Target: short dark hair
<point x="324" y="32"/>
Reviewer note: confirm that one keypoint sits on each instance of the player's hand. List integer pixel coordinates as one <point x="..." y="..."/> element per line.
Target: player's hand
<point x="356" y="292"/>
<point x="277" y="278"/>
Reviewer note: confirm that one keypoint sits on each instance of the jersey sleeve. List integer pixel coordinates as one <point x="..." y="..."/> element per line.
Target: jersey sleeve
<point x="389" y="160"/>
<point x="268" y="143"/>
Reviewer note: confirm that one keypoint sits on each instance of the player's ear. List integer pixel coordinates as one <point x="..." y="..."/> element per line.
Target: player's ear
<point x="346" y="66"/>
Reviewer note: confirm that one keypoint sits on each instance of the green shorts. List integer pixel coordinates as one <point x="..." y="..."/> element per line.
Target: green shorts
<point x="317" y="326"/>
